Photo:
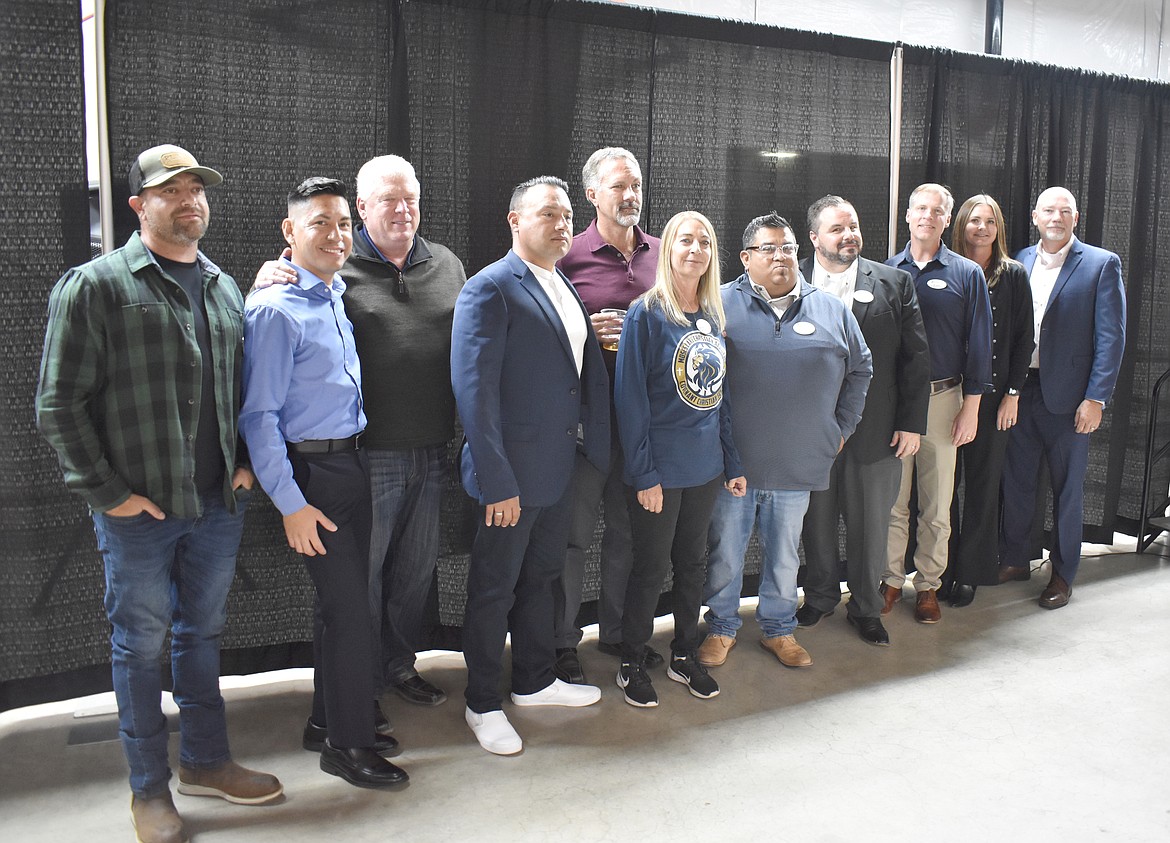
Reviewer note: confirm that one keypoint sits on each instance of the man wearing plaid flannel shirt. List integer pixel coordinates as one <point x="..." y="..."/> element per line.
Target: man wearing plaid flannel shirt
<point x="139" y="395"/>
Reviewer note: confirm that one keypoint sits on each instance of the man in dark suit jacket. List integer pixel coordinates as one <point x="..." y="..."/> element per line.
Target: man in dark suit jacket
<point x="529" y="381"/>
<point x="1079" y="305"/>
<point x="867" y="472"/>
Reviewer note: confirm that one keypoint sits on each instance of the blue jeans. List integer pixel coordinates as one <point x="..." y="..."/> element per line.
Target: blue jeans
<point x="172" y="575"/>
<point x="780" y="517"/>
<point x="406" y="488"/>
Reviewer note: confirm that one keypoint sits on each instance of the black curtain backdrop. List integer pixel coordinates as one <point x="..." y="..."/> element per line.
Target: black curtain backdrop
<point x="51" y="619"/>
<point x="981" y="124"/>
<point x="731" y="119"/>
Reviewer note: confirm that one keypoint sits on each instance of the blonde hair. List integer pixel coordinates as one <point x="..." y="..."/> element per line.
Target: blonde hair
<point x="930" y="187"/>
<point x="663" y="294"/>
<point x="999" y="254"/>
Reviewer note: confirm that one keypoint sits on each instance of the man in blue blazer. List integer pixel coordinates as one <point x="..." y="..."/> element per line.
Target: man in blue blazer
<point x="530" y="385"/>
<point x="1079" y="304"/>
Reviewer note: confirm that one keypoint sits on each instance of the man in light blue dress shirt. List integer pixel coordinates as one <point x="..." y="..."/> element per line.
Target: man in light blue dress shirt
<point x="302" y="418"/>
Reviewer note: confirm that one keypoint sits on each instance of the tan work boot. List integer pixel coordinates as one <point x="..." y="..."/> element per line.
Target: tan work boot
<point x="232" y="782"/>
<point x="785" y="648"/>
<point x="156" y="820"/>
<point x="714" y="649"/>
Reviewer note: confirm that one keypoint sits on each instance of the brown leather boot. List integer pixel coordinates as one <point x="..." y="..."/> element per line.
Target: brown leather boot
<point x="156" y="820"/>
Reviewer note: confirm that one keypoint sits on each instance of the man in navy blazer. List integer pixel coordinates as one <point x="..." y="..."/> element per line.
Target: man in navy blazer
<point x="1079" y="305"/>
<point x="529" y="382"/>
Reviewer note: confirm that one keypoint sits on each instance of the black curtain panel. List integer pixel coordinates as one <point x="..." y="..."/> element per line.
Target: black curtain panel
<point x="980" y="124"/>
<point x="51" y="620"/>
<point x="732" y="119"/>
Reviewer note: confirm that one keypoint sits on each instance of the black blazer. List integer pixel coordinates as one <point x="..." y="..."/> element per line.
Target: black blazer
<point x="1012" y="331"/>
<point x="892" y="326"/>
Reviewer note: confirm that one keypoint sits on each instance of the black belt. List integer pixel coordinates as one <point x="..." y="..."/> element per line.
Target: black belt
<point x="326" y="446"/>
<point x="943" y="385"/>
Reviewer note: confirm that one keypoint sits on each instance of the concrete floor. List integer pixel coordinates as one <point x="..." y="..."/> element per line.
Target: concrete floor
<point x="1004" y="722"/>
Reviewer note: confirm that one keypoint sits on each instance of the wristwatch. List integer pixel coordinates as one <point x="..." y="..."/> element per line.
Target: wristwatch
<point x="1013" y="391"/>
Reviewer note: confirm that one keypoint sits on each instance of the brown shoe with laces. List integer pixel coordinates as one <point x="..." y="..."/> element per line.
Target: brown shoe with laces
<point x="926" y="608"/>
<point x="891" y="595"/>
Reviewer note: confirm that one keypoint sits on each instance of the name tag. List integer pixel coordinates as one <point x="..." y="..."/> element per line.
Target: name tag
<point x="804" y="328"/>
<point x="863" y="296"/>
<point x="936" y="284"/>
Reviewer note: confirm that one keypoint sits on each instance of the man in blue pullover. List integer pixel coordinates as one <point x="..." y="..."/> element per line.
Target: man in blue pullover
<point x="797" y="374"/>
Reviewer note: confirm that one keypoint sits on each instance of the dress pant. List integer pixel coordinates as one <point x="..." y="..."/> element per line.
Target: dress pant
<point x="974" y="561"/>
<point x="934" y="465"/>
<point x="673" y="540"/>
<point x="592" y="487"/>
<point x="1037" y="433"/>
<point x="338" y="484"/>
<point x="862" y="493"/>
<point x="510" y="588"/>
<point x="406" y="488"/>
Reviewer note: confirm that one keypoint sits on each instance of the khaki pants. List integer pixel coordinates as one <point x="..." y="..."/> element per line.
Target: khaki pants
<point x="935" y="464"/>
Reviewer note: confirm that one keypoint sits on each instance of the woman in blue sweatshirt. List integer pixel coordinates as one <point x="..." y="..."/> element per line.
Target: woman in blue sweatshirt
<point x="676" y="440"/>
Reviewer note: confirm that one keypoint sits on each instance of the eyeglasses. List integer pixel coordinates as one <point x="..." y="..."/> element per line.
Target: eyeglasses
<point x="770" y="249"/>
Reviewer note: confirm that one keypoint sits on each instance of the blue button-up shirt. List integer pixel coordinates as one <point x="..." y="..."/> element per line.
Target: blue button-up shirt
<point x="302" y="379"/>
<point x="956" y="310"/>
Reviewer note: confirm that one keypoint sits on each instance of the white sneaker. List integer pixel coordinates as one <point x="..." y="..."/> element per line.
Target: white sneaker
<point x="494" y="732"/>
<point x="561" y="693"/>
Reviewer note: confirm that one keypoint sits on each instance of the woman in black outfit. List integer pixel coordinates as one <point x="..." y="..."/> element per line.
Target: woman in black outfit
<point x="979" y="235"/>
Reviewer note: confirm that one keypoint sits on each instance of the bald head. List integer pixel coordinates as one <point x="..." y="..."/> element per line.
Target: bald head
<point x="1055" y="216"/>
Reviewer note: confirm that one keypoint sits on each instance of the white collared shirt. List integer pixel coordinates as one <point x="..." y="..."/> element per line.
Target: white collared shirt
<point x="781" y="303"/>
<point x="840" y="284"/>
<point x="565" y="303"/>
<point x="1042" y="280"/>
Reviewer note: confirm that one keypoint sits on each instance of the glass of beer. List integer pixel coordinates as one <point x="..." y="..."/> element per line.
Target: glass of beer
<point x="612" y="344"/>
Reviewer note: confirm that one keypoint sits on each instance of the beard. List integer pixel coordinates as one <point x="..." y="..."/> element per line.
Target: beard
<point x="839" y="258"/>
<point x="628" y="216"/>
<point x="180" y="231"/>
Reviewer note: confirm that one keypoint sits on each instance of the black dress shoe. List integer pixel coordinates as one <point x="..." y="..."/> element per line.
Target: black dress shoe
<point x="567" y="667"/>
<point x="809" y="616"/>
<point x="962" y="595"/>
<point x="419" y="691"/>
<point x="313" y="738"/>
<point x="653" y="657"/>
<point x="361" y="766"/>
<point x="870" y="630"/>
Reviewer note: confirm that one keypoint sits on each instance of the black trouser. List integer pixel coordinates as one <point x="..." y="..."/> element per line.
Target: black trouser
<point x="672" y="540"/>
<point x="338" y="484"/>
<point x="510" y="587"/>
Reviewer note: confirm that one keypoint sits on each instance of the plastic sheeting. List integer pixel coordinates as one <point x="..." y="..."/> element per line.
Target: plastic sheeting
<point x="1123" y="37"/>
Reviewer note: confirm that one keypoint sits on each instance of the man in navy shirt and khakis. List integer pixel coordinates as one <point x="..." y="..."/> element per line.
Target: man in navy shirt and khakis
<point x="956" y="309"/>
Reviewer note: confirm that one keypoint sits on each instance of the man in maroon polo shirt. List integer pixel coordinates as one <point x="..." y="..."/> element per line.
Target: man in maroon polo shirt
<point x="610" y="263"/>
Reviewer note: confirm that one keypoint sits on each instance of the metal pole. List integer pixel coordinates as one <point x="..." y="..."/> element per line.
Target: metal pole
<point x="993" y="30"/>
<point x="895" y="142"/>
<point x="105" y="180"/>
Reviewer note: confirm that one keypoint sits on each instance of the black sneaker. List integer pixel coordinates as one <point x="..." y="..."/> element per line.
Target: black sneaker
<point x="653" y="657"/>
<point x="633" y="679"/>
<point x="685" y="668"/>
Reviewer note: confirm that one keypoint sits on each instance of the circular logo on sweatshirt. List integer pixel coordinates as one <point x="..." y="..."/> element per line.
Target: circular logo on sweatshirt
<point x="699" y="368"/>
